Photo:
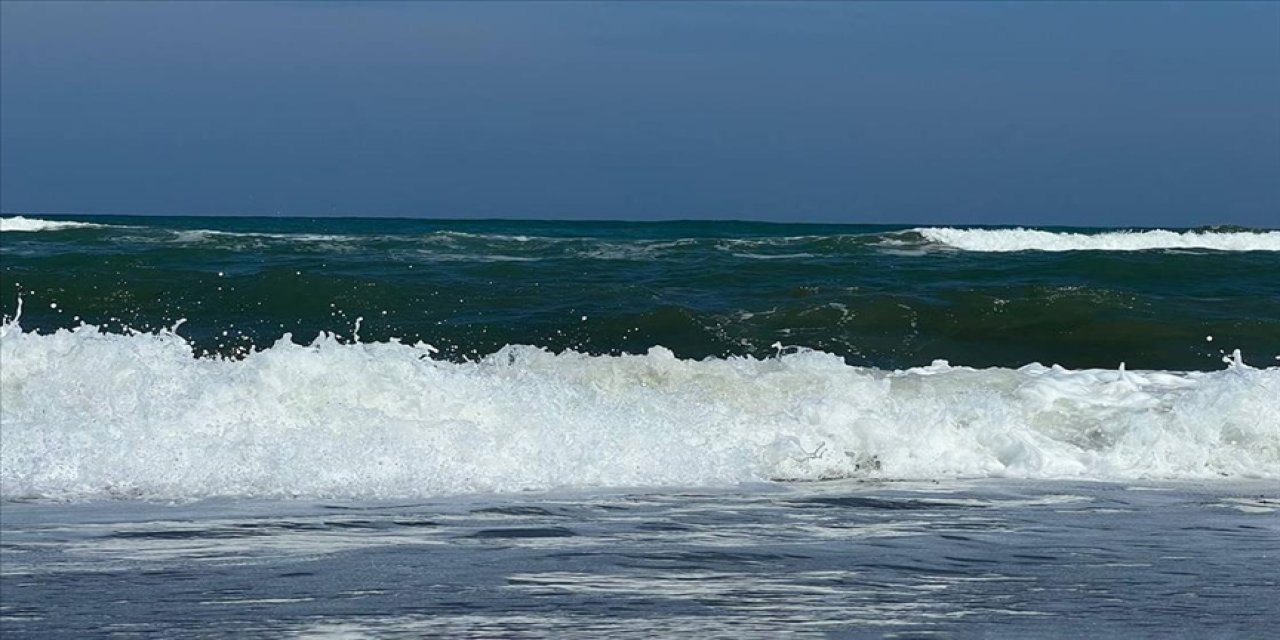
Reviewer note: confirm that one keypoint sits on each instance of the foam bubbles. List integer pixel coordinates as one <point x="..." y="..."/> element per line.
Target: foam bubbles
<point x="88" y="414"/>
<point x="20" y="223"/>
<point x="1004" y="240"/>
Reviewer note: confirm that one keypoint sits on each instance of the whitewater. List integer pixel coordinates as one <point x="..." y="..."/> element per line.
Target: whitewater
<point x="1019" y="239"/>
<point x="968" y="239"/>
<point x="91" y="415"/>
<point x="24" y="224"/>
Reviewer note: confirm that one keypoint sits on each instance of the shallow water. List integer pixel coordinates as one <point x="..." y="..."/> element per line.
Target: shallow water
<point x="961" y="559"/>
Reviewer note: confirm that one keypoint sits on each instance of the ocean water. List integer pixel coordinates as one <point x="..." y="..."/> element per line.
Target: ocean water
<point x="369" y="428"/>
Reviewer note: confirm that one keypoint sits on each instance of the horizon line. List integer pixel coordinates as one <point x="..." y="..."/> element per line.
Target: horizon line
<point x="377" y="216"/>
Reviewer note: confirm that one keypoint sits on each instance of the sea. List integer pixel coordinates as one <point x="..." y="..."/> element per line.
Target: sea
<point x="403" y="428"/>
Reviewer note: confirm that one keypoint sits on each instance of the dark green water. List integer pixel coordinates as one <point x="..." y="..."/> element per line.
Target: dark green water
<point x="880" y="296"/>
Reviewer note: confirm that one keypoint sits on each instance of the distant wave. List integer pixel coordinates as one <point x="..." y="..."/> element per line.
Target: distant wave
<point x="20" y="223"/>
<point x="1003" y="240"/>
<point x="89" y="415"/>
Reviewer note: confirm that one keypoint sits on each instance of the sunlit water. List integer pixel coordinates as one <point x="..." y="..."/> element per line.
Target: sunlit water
<point x="262" y="428"/>
<point x="841" y="559"/>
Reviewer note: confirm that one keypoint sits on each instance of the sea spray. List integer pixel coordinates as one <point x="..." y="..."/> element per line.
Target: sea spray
<point x="1019" y="239"/>
<point x="90" y="415"/>
<point x="177" y="358"/>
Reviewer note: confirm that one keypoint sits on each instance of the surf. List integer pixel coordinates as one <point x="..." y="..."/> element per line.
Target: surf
<point x="21" y="223"/>
<point x="90" y="415"/>
<point x="1020" y="239"/>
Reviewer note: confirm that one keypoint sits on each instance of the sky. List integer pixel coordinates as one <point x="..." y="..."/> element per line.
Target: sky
<point x="1140" y="113"/>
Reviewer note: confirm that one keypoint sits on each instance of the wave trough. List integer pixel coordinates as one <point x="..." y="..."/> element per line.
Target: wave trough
<point x="91" y="415"/>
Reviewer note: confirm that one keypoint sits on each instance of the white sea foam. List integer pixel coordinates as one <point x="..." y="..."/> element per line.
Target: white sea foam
<point x="1001" y="240"/>
<point x="86" y="414"/>
<point x="20" y="223"/>
<point x="197" y="236"/>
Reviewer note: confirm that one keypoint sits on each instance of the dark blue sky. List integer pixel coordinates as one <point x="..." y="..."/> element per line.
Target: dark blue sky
<point x="1028" y="113"/>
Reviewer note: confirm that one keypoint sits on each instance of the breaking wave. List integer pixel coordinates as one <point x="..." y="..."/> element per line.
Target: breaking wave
<point x="86" y="414"/>
<point x="20" y="223"/>
<point x="1004" y="240"/>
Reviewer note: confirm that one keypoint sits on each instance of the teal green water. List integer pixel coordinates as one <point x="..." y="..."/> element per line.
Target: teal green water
<point x="880" y="296"/>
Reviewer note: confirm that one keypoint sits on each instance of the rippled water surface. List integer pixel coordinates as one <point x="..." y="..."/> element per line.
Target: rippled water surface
<point x="839" y="559"/>
<point x="880" y="296"/>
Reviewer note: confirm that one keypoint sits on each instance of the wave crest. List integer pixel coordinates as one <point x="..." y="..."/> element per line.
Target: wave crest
<point x="88" y="414"/>
<point x="20" y="223"/>
<point x="1019" y="239"/>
